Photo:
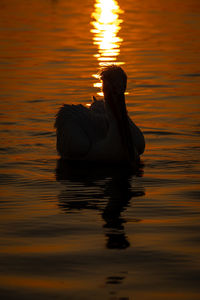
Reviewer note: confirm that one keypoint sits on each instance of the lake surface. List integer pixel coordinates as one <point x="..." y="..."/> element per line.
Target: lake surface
<point x="70" y="232"/>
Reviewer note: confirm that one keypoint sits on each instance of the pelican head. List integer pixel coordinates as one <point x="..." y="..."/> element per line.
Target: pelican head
<point x="114" y="81"/>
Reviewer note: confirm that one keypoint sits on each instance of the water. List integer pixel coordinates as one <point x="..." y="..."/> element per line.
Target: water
<point x="67" y="232"/>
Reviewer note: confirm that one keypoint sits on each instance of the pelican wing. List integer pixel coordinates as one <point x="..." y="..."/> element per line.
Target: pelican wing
<point x="78" y="128"/>
<point x="137" y="136"/>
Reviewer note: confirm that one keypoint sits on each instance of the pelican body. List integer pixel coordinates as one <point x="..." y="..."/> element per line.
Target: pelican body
<point x="102" y="132"/>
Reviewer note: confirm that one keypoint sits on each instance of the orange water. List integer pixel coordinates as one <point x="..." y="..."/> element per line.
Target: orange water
<point x="76" y="233"/>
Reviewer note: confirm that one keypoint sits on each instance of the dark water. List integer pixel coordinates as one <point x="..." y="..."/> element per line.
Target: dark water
<point x="71" y="232"/>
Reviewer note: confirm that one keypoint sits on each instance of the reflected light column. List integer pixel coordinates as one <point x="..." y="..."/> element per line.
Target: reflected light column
<point x="106" y="25"/>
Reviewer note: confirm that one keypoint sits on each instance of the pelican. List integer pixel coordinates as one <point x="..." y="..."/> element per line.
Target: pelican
<point x="102" y="132"/>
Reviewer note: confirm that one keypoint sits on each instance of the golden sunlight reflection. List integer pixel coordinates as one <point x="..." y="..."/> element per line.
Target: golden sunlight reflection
<point x="106" y="25"/>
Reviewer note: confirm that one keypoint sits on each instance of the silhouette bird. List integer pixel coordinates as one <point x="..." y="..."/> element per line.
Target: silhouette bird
<point x="103" y="132"/>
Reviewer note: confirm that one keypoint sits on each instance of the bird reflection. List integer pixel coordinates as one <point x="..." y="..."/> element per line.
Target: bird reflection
<point x="120" y="193"/>
<point x="106" y="189"/>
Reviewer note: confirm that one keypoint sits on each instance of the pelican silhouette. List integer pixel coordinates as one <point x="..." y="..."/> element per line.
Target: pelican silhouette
<point x="103" y="132"/>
